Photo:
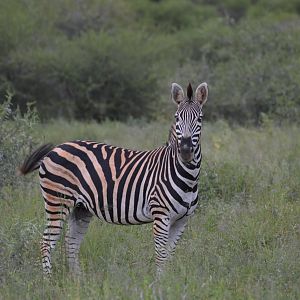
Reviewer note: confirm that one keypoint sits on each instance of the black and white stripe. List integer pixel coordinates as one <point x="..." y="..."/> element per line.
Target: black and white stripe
<point x="81" y="179"/>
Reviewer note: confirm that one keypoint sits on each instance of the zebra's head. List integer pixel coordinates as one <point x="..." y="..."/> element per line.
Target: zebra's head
<point x="188" y="118"/>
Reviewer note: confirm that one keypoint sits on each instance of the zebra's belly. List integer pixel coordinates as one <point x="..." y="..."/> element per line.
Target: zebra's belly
<point x="123" y="211"/>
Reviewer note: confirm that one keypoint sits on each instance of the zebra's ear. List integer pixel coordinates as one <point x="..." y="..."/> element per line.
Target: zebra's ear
<point x="201" y="93"/>
<point x="177" y="93"/>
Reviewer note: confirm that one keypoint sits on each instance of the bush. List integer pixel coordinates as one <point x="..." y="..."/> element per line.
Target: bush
<point x="16" y="140"/>
<point x="102" y="59"/>
<point x="252" y="68"/>
<point x="172" y="16"/>
<point x="95" y="76"/>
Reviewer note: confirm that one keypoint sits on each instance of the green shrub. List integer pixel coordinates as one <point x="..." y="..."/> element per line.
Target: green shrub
<point x="102" y="59"/>
<point x="251" y="68"/>
<point x="171" y="15"/>
<point x="95" y="76"/>
<point x="17" y="138"/>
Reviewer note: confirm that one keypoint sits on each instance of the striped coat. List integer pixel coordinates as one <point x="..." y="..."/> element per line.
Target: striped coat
<point x="81" y="179"/>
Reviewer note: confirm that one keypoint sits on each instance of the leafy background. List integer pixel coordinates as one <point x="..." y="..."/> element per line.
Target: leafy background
<point x="103" y="59"/>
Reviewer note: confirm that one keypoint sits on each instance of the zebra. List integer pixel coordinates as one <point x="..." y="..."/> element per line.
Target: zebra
<point x="82" y="179"/>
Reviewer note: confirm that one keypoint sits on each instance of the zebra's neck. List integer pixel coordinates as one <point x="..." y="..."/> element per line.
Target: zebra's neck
<point x="172" y="138"/>
<point x="189" y="171"/>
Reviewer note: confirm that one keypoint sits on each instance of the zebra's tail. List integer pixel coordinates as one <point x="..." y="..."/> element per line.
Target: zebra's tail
<point x="32" y="162"/>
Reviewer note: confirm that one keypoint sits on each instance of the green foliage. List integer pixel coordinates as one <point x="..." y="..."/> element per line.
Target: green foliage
<point x="16" y="140"/>
<point x="252" y="69"/>
<point x="97" y="75"/>
<point x="102" y="59"/>
<point x="242" y="243"/>
<point x="171" y="16"/>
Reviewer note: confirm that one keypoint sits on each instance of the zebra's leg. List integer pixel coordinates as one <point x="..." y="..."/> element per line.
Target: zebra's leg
<point x="175" y="232"/>
<point x="161" y="228"/>
<point x="78" y="223"/>
<point x="56" y="214"/>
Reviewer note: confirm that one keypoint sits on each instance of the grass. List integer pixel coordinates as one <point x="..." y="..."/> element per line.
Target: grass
<point x="242" y="243"/>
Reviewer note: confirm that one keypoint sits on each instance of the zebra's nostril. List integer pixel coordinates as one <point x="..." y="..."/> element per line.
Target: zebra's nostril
<point x="186" y="145"/>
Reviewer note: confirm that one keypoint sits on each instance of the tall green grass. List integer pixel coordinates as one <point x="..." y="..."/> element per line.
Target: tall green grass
<point x="242" y="243"/>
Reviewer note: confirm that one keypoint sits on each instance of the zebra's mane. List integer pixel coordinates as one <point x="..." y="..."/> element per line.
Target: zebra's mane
<point x="189" y="92"/>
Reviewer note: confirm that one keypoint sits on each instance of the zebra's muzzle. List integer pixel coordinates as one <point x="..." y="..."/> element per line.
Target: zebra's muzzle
<point x="186" y="149"/>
